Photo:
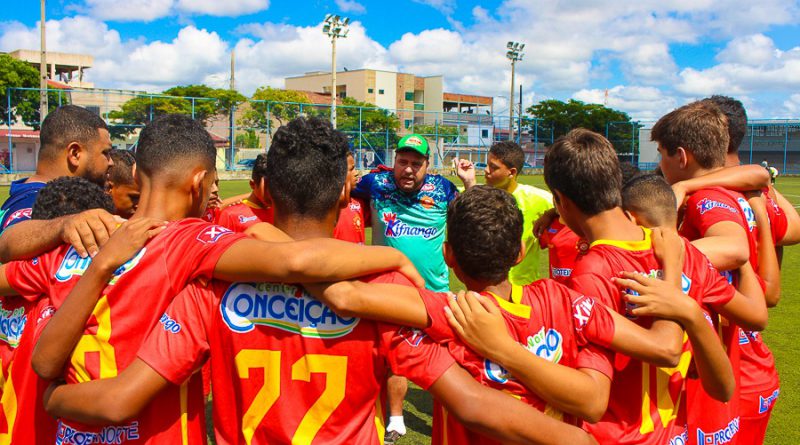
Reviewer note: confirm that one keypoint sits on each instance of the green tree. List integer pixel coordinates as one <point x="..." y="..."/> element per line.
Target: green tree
<point x="283" y="106"/>
<point x="377" y="125"/>
<point x="248" y="139"/>
<point x="446" y="132"/>
<point x="564" y="116"/>
<point x="24" y="103"/>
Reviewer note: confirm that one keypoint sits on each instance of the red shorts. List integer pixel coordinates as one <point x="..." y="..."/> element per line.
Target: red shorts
<point x="755" y="410"/>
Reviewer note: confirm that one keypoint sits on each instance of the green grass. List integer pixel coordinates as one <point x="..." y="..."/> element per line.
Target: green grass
<point x="781" y="336"/>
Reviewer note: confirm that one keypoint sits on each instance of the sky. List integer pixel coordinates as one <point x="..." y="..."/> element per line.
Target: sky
<point x="651" y="56"/>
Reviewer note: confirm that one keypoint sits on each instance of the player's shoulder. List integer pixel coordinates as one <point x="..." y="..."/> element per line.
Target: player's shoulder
<point x="547" y="291"/>
<point x="202" y="230"/>
<point x="533" y="193"/>
<point x="711" y="198"/>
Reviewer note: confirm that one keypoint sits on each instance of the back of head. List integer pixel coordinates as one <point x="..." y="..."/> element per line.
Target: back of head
<point x="484" y="230"/>
<point x="651" y="200"/>
<point x="509" y="153"/>
<point x="700" y="128"/>
<point x="174" y="143"/>
<point x="121" y="173"/>
<point x="67" y="124"/>
<point x="69" y="195"/>
<point x="307" y="167"/>
<point x="260" y="168"/>
<point x="737" y="119"/>
<point x="583" y="166"/>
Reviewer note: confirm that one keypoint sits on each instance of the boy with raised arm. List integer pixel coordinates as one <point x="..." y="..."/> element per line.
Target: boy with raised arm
<point x="286" y="368"/>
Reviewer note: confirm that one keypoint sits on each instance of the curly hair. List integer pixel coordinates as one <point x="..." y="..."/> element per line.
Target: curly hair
<point x="69" y="195"/>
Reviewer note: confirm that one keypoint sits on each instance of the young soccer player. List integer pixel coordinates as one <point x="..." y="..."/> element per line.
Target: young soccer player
<point x="693" y="140"/>
<point x="24" y="420"/>
<point x="120" y="183"/>
<point x="175" y="168"/>
<point x="255" y="208"/>
<point x="286" y="368"/>
<point x="564" y="248"/>
<point x="350" y="224"/>
<point x="503" y="165"/>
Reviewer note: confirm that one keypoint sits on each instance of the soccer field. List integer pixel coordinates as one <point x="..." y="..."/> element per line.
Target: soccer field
<point x="781" y="336"/>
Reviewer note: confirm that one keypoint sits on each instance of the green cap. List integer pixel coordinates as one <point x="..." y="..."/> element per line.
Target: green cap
<point x="414" y="142"/>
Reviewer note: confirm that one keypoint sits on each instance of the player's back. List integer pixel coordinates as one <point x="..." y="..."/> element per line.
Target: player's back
<point x="239" y="217"/>
<point x="563" y="247"/>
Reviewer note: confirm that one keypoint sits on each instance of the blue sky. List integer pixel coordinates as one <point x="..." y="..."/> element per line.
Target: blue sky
<point x="650" y="55"/>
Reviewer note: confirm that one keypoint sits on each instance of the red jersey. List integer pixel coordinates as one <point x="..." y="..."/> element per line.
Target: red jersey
<point x="778" y="222"/>
<point x="131" y="303"/>
<point x="23" y="419"/>
<point x="644" y="405"/>
<point x="239" y="217"/>
<point x="549" y="320"/>
<point x="290" y="370"/>
<point x="211" y="214"/>
<point x="704" y="209"/>
<point x="564" y="247"/>
<point x="350" y="225"/>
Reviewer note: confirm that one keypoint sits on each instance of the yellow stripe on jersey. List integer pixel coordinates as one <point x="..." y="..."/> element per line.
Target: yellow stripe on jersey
<point x="380" y="427"/>
<point x="514" y="307"/>
<point x="251" y="204"/>
<point x="184" y="395"/>
<point x="9" y="402"/>
<point x="99" y="342"/>
<point x="645" y="244"/>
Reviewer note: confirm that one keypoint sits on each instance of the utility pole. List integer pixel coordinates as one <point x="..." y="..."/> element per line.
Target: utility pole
<point x="232" y="133"/>
<point x="43" y="70"/>
<point x="335" y="27"/>
<point x="233" y="69"/>
<point x="513" y="54"/>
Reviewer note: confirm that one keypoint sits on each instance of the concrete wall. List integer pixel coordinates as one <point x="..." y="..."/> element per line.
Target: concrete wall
<point x="648" y="150"/>
<point x="387" y="82"/>
<point x="434" y="95"/>
<point x="355" y="82"/>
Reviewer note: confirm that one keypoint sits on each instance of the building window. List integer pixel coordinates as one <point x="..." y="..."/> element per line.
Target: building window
<point x="408" y="123"/>
<point x="409" y="95"/>
<point x="485" y="133"/>
<point x="370" y="90"/>
<point x="380" y="91"/>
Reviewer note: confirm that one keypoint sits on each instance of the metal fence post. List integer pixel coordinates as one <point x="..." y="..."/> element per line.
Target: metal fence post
<point x="785" y="144"/>
<point x="10" y="167"/>
<point x="752" y="130"/>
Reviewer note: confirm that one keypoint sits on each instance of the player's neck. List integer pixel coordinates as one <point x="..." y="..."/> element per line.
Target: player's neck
<point x="502" y="290"/>
<point x="610" y="225"/>
<point x="47" y="171"/>
<point x="255" y="200"/>
<point x="511" y="185"/>
<point x="732" y="160"/>
<point x="162" y="202"/>
<point x="301" y="227"/>
<point x="698" y="171"/>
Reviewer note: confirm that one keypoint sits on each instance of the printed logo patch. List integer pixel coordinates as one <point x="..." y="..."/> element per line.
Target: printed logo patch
<point x="21" y="213"/>
<point x="411" y="336"/>
<point x="748" y="212"/>
<point x="73" y="265"/>
<point x="706" y="204"/>
<point x="12" y="323"/>
<point x="495" y="372"/>
<point x="169" y="324"/>
<point x="428" y="187"/>
<point x="281" y="306"/>
<point x="764" y="404"/>
<point x="396" y="228"/>
<point x="718" y="437"/>
<point x="582" y="310"/>
<point x="546" y="344"/>
<point x="213" y="234"/>
<point x="108" y="435"/>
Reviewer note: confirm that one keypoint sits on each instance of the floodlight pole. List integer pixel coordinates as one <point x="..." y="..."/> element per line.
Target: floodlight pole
<point x="335" y="27"/>
<point x="333" y="82"/>
<point x="513" y="53"/>
<point x="43" y="70"/>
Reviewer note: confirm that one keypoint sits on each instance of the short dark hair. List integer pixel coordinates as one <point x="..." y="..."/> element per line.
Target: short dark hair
<point x="259" y="168"/>
<point x="737" y="119"/>
<point x="651" y="198"/>
<point x="583" y="166"/>
<point x="700" y="128"/>
<point x="169" y="140"/>
<point x="484" y="230"/>
<point x="509" y="153"/>
<point x="122" y="171"/>
<point x="69" y="195"/>
<point x="66" y="124"/>
<point x="307" y="167"/>
<point x="629" y="171"/>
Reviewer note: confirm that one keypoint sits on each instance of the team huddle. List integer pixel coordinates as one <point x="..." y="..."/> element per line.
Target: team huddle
<point x="133" y="295"/>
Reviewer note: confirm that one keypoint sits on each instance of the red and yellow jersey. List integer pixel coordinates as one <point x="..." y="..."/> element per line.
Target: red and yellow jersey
<point x="239" y="217"/>
<point x="211" y="214"/>
<point x="549" y="320"/>
<point x="131" y="303"/>
<point x="285" y="368"/>
<point x="646" y="402"/>
<point x="350" y="225"/>
<point x="23" y="419"/>
<point x="564" y="248"/>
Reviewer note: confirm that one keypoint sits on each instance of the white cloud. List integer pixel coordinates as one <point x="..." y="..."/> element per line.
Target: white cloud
<point x="227" y="8"/>
<point x="351" y="6"/>
<point x="642" y="103"/>
<point x="149" y="10"/>
<point x="446" y="7"/>
<point x="755" y="49"/>
<point x="792" y="105"/>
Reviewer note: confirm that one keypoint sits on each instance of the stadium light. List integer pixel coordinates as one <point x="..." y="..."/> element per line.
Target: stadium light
<point x="335" y="27"/>
<point x="513" y="54"/>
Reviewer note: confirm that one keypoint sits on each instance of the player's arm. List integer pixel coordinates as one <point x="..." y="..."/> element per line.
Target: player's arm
<point x="741" y="178"/>
<point x="725" y="244"/>
<point x="768" y="267"/>
<point x="390" y="303"/>
<point x="106" y="401"/>
<point x="490" y="412"/>
<point x="479" y="323"/>
<point x="65" y="328"/>
<point x="267" y="232"/>
<point x="86" y="231"/>
<point x="5" y="285"/>
<point x="465" y="170"/>
<point x="309" y="261"/>
<point x="792" y="235"/>
<point x="747" y="308"/>
<point x="654" y="298"/>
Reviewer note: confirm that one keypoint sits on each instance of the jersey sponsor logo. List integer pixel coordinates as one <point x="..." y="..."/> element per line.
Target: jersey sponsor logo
<point x="764" y="404"/>
<point x="281" y="306"/>
<point x="411" y="336"/>
<point x="396" y="228"/>
<point x="680" y="439"/>
<point x="12" y="323"/>
<point x="246" y="219"/>
<point x="746" y="337"/>
<point x="583" y="246"/>
<point x="428" y="187"/>
<point x="73" y="265"/>
<point x="21" y="213"/>
<point x="561" y="271"/>
<point x="629" y="307"/>
<point x="427" y="202"/>
<point x="355" y="206"/>
<point x="169" y="324"/>
<point x="213" y="234"/>
<point x="582" y="310"/>
<point x="495" y="372"/>
<point x="46" y="313"/>
<point x="686" y="283"/>
<point x="108" y="435"/>
<point x="706" y="204"/>
<point x="546" y="344"/>
<point x="718" y="437"/>
<point x="748" y="212"/>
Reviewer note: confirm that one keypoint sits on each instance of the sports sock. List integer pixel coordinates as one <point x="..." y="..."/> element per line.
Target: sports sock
<point x="396" y="424"/>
